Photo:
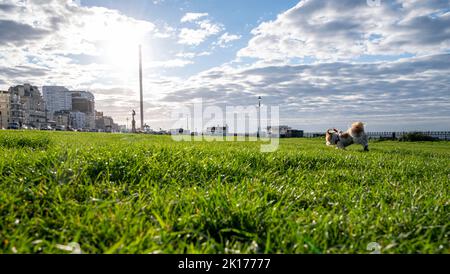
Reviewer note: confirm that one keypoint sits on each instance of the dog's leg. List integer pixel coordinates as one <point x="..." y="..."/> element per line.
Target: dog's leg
<point x="339" y="145"/>
<point x="365" y="142"/>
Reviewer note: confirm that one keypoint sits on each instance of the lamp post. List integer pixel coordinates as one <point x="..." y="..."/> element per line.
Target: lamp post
<point x="187" y="122"/>
<point x="141" y="87"/>
<point x="259" y="118"/>
<point x="1" y="120"/>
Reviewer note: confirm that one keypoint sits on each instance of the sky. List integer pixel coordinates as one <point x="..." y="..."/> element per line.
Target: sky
<point x="324" y="63"/>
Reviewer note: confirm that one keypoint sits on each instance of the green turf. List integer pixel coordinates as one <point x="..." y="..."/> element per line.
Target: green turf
<point x="147" y="194"/>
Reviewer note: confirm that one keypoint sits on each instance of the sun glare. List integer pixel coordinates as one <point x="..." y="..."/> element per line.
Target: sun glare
<point x="121" y="49"/>
<point x="118" y="44"/>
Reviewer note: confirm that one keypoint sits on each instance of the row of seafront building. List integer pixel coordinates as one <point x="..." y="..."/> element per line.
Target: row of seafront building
<point x="24" y="106"/>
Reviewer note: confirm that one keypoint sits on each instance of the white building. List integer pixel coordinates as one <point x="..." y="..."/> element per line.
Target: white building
<point x="284" y="132"/>
<point x="217" y="131"/>
<point x="57" y="98"/>
<point x="5" y="103"/>
<point x="179" y="131"/>
<point x="278" y="130"/>
<point x="79" y="120"/>
<point x="84" y="101"/>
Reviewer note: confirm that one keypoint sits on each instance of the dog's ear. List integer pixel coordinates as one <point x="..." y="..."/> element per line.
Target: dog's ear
<point x="328" y="136"/>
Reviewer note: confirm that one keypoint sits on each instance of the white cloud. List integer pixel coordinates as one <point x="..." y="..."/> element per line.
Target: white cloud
<point x="192" y="36"/>
<point x="191" y="17"/>
<point x="342" y="30"/>
<point x="204" y="53"/>
<point x="191" y="55"/>
<point x="174" y="63"/>
<point x="226" y="38"/>
<point x="188" y="55"/>
<point x="165" y="31"/>
<point x="195" y="37"/>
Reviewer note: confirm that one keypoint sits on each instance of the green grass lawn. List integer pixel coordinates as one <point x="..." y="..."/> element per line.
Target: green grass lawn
<point x="147" y="194"/>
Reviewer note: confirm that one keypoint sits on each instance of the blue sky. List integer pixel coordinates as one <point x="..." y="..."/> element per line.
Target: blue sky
<point x="324" y="63"/>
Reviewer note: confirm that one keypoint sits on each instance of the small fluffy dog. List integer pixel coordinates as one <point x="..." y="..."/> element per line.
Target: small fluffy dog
<point x="355" y="135"/>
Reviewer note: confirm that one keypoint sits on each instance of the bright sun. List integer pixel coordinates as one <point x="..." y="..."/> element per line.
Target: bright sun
<point x="121" y="49"/>
<point x="118" y="44"/>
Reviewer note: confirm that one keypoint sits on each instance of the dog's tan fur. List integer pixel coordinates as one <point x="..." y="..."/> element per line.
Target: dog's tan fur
<point x="328" y="137"/>
<point x="357" y="128"/>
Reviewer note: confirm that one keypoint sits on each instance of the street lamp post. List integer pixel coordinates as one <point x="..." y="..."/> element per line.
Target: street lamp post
<point x="259" y="117"/>
<point x="141" y="88"/>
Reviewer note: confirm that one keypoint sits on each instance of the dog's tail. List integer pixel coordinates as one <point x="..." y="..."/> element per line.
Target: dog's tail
<point x="357" y="128"/>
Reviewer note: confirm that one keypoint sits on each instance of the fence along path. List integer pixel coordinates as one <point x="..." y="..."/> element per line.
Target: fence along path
<point x="441" y="135"/>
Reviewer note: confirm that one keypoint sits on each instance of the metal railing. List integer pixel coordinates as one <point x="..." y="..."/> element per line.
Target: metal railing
<point x="441" y="135"/>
